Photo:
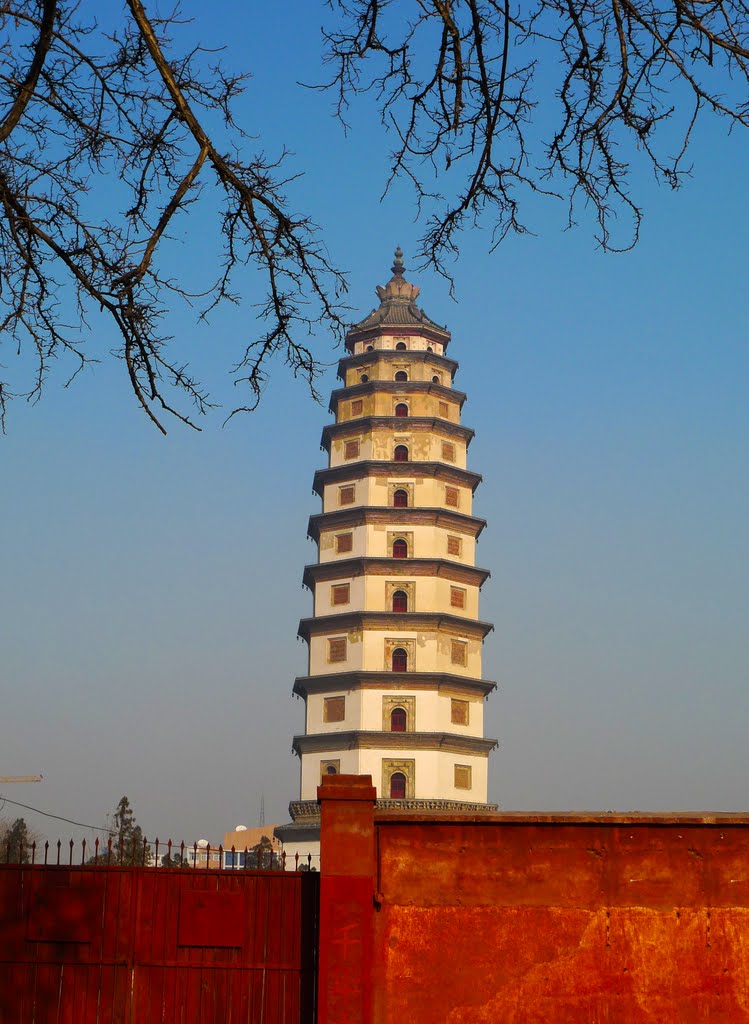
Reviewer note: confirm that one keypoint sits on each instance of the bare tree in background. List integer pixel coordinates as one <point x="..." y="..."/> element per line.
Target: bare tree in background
<point x="108" y="139"/>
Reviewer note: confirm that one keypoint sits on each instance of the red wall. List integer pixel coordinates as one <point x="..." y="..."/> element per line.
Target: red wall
<point x="110" y="945"/>
<point x="553" y="919"/>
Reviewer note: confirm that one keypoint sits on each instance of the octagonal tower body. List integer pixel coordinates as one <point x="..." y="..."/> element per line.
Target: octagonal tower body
<point x="394" y="686"/>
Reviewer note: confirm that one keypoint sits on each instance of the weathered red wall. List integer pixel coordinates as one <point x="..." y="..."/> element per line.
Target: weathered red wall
<point x="109" y="945"/>
<point x="521" y="919"/>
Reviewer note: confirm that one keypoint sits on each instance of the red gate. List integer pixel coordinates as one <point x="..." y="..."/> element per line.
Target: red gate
<point x="133" y="945"/>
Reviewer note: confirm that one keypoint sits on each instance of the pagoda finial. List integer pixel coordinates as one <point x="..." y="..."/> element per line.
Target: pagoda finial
<point x="397" y="267"/>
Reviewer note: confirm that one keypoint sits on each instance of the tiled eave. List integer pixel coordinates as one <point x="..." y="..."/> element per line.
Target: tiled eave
<point x="358" y="739"/>
<point x="447" y="682"/>
<point x="400" y="330"/>
<point x="362" y="515"/>
<point x="396" y="387"/>
<point x="347" y="568"/>
<point x="390" y="355"/>
<point x="431" y="424"/>
<point x="399" y="470"/>
<point x="397" y="622"/>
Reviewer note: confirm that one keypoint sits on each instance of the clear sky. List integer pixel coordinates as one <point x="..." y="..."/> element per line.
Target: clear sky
<point x="150" y="587"/>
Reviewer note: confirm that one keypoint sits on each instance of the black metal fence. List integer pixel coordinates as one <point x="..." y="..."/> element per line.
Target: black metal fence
<point x="113" y="853"/>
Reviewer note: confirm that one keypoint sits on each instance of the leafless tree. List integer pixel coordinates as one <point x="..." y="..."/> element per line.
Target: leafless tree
<point x="502" y="98"/>
<point x="109" y="139"/>
<point x="104" y="142"/>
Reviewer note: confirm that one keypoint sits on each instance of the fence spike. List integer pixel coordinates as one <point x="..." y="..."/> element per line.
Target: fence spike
<point x="59" y="848"/>
<point x="33" y="852"/>
<point x="96" y="850"/>
<point x="46" y="850"/>
<point x="71" y="851"/>
<point x="83" y="852"/>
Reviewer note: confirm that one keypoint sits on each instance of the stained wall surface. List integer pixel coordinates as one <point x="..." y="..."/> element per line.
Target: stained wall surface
<point x="524" y="919"/>
<point x="628" y="920"/>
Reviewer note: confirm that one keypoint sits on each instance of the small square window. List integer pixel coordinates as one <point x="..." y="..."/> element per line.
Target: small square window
<point x="448" y="451"/>
<point x="357" y="407"/>
<point x="452" y="497"/>
<point x="337" y="649"/>
<point x="462" y="776"/>
<point x="346" y="495"/>
<point x="334" y="709"/>
<point x="351" y="450"/>
<point x="457" y="597"/>
<point x="340" y="593"/>
<point x="458" y="652"/>
<point x="454" y="546"/>
<point x="344" y="542"/>
<point x="444" y="410"/>
<point x="459" y="711"/>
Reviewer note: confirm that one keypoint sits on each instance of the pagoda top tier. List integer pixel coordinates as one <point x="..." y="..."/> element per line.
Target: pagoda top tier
<point x="397" y="311"/>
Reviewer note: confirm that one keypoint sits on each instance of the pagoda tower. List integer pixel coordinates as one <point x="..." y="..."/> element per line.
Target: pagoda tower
<point x="394" y="687"/>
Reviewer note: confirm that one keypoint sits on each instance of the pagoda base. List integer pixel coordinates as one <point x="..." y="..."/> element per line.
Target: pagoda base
<point x="301" y="836"/>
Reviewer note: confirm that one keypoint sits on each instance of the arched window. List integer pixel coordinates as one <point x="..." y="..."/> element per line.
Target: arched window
<point x="364" y="378"/>
<point x="400" y="601"/>
<point x="331" y="770"/>
<point x="400" y="549"/>
<point x="397" y="786"/>
<point x="429" y="348"/>
<point x="435" y="379"/>
<point x="401" y="375"/>
<point x="400" y="660"/>
<point x="400" y="499"/>
<point x="401" y="453"/>
<point x="398" y="720"/>
<point x="401" y="409"/>
<point x="401" y="346"/>
<point x="370" y="348"/>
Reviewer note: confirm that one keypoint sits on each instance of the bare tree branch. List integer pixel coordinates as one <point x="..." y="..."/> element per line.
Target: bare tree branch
<point x="611" y="80"/>
<point x="89" y="108"/>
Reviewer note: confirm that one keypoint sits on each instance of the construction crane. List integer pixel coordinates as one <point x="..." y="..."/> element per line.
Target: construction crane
<point x="20" y="778"/>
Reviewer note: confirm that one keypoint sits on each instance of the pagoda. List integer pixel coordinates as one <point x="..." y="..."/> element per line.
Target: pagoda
<point x="394" y="687"/>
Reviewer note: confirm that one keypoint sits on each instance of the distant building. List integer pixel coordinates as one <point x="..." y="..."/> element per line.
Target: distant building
<point x="232" y="853"/>
<point x="394" y="688"/>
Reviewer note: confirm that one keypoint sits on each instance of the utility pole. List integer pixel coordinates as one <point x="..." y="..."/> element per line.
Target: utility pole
<point x="20" y="778"/>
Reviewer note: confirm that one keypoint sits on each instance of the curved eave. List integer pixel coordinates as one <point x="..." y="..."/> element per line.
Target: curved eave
<point x="419" y="423"/>
<point x="375" y="467"/>
<point x="357" y="739"/>
<point x="362" y="515"/>
<point x="349" y="567"/>
<point x="334" y="682"/>
<point x="364" y="332"/>
<point x="391" y="355"/>
<point x="397" y="387"/>
<point x="399" y="622"/>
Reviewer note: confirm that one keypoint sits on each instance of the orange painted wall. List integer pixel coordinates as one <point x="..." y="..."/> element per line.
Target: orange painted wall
<point x="531" y="919"/>
<point x="562" y="921"/>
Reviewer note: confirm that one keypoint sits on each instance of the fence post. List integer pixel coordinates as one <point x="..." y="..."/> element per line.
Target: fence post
<point x="347" y="873"/>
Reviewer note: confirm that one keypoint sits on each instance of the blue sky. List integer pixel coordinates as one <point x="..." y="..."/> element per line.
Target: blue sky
<point x="151" y="587"/>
